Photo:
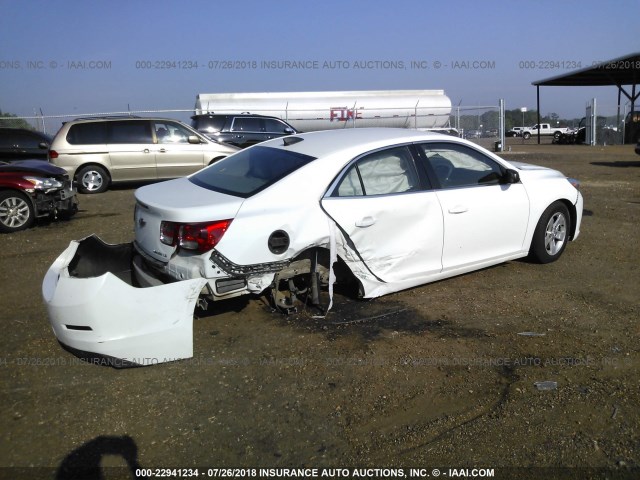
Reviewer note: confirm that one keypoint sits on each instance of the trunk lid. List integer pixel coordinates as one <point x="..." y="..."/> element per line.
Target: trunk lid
<point x="176" y="201"/>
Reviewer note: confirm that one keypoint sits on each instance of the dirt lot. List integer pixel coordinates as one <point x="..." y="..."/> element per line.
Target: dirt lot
<point x="433" y="377"/>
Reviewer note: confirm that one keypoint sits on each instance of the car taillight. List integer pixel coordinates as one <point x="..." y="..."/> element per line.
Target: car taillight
<point x="53" y="154"/>
<point x="201" y="237"/>
<point x="168" y="233"/>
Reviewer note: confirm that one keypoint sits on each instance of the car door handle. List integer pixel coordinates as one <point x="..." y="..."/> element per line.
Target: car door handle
<point x="458" y="209"/>
<point x="162" y="150"/>
<point x="146" y="150"/>
<point x="365" y="222"/>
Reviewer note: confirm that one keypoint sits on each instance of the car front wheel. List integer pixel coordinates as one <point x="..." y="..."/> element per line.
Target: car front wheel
<point x="16" y="212"/>
<point x="551" y="235"/>
<point x="92" y="179"/>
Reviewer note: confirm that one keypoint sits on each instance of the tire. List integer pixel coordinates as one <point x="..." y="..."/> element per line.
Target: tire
<point x="556" y="135"/>
<point x="551" y="235"/>
<point x="526" y="135"/>
<point x="92" y="179"/>
<point x="16" y="211"/>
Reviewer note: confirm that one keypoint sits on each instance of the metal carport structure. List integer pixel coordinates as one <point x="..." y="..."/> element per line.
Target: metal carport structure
<point x="621" y="72"/>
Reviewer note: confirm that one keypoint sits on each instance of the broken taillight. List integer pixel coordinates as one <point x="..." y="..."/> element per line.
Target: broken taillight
<point x="200" y="237"/>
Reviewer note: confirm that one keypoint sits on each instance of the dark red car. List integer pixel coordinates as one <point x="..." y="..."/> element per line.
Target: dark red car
<point x="31" y="189"/>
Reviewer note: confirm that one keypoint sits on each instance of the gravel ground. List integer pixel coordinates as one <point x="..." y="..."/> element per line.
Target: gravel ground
<point x="433" y="377"/>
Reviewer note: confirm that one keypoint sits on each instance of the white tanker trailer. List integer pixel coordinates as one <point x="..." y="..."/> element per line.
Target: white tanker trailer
<point x="308" y="111"/>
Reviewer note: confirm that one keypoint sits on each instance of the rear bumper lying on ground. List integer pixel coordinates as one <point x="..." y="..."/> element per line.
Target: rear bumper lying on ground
<point x="97" y="313"/>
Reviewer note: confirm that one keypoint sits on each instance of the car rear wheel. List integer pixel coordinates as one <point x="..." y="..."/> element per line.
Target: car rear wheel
<point x="551" y="235"/>
<point x="16" y="212"/>
<point x="92" y="179"/>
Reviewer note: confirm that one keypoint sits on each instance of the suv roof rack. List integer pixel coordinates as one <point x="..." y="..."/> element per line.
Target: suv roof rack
<point x="103" y="117"/>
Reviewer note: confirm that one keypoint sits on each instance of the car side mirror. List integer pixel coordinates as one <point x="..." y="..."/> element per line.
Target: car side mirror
<point x="193" y="139"/>
<point x="288" y="130"/>
<point x="511" y="176"/>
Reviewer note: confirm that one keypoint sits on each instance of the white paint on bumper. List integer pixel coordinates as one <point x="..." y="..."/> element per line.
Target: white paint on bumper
<point x="104" y="316"/>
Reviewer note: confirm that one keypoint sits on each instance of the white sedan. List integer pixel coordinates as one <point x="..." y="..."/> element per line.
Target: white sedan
<point x="381" y="209"/>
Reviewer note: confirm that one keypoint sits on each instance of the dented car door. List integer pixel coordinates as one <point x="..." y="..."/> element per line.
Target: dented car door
<point x="393" y="226"/>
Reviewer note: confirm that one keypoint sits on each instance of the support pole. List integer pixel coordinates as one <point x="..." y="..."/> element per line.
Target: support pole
<point x="618" y="118"/>
<point x="538" y="102"/>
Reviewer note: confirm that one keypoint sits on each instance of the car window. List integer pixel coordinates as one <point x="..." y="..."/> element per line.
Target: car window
<point x="9" y="139"/>
<point x="249" y="171"/>
<point x="24" y="140"/>
<point x="380" y="173"/>
<point x="208" y="124"/>
<point x="169" y="132"/>
<point x="87" y="133"/>
<point x="460" y="166"/>
<point x="274" y="126"/>
<point x="129" y="132"/>
<point x="249" y="124"/>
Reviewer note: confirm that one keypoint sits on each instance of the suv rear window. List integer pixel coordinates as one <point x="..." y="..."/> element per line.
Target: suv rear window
<point x="249" y="171"/>
<point x="126" y="131"/>
<point x="87" y="133"/>
<point x="208" y="124"/>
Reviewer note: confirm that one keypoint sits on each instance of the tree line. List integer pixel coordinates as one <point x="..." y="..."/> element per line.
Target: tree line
<point x="9" y="120"/>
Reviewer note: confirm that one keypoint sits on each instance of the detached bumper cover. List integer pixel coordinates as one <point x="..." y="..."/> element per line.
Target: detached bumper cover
<point x="96" y="312"/>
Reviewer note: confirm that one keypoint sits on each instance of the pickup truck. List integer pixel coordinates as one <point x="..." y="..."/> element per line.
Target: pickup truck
<point x="545" y="129"/>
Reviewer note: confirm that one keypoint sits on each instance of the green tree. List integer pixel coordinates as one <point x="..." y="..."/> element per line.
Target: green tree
<point x="515" y="118"/>
<point x="12" y="121"/>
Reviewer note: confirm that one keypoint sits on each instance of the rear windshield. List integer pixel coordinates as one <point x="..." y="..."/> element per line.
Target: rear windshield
<point x="249" y="171"/>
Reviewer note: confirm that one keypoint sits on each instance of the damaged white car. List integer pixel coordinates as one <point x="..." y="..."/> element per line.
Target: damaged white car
<point x="381" y="209"/>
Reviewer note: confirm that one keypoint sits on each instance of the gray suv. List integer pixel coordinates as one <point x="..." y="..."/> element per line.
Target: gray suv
<point x="98" y="151"/>
<point x="242" y="130"/>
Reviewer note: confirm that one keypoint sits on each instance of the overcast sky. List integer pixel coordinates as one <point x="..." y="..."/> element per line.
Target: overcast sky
<point x="72" y="57"/>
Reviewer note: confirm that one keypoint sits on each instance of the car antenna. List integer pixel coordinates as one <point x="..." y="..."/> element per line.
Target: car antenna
<point x="291" y="140"/>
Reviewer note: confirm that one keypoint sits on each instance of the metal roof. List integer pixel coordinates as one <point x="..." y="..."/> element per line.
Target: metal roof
<point x="619" y="71"/>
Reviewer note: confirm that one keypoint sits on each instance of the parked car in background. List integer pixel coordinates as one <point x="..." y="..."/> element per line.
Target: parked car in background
<point x="378" y="209"/>
<point x="514" y="132"/>
<point x="31" y="189"/>
<point x="491" y="133"/>
<point x="573" y="136"/>
<point x="99" y="151"/>
<point x="23" y="144"/>
<point x="545" y="129"/>
<point x="242" y="130"/>
<point x="473" y="134"/>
